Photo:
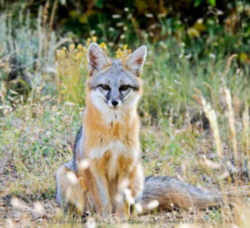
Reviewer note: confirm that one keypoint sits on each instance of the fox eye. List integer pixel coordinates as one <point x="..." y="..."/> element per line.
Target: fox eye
<point x="124" y="88"/>
<point x="104" y="87"/>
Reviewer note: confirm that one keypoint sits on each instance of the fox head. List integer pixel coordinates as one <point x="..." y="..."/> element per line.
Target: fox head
<point x="113" y="84"/>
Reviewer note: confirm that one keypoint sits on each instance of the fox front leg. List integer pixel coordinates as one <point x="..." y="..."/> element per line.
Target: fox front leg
<point x="130" y="187"/>
<point x="136" y="183"/>
<point x="100" y="192"/>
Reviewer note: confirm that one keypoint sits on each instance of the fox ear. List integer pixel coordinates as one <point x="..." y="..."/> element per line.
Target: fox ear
<point x="135" y="61"/>
<point x="97" y="59"/>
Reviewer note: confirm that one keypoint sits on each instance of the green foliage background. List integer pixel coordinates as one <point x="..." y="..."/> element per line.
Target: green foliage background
<point x="207" y="23"/>
<point x="189" y="43"/>
<point x="196" y="48"/>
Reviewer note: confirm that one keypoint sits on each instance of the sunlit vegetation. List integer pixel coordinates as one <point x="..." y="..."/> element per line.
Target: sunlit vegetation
<point x="194" y="112"/>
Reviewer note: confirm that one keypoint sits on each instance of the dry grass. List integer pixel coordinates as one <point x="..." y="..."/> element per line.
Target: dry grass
<point x="38" y="136"/>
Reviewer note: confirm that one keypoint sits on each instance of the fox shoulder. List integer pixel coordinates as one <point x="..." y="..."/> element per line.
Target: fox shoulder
<point x="78" y="149"/>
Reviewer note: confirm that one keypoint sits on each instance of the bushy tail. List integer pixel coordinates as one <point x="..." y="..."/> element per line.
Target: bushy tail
<point x="170" y="192"/>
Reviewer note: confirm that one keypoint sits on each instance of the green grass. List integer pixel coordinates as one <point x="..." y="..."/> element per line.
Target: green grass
<point x="38" y="135"/>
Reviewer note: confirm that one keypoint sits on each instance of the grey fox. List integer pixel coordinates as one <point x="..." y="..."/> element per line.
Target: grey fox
<point x="105" y="174"/>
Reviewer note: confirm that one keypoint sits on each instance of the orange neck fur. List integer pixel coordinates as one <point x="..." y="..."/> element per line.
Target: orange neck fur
<point x="98" y="133"/>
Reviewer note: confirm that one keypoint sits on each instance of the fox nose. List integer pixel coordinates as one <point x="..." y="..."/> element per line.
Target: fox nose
<point x="114" y="103"/>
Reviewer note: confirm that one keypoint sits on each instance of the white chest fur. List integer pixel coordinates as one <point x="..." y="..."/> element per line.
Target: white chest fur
<point x="116" y="149"/>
